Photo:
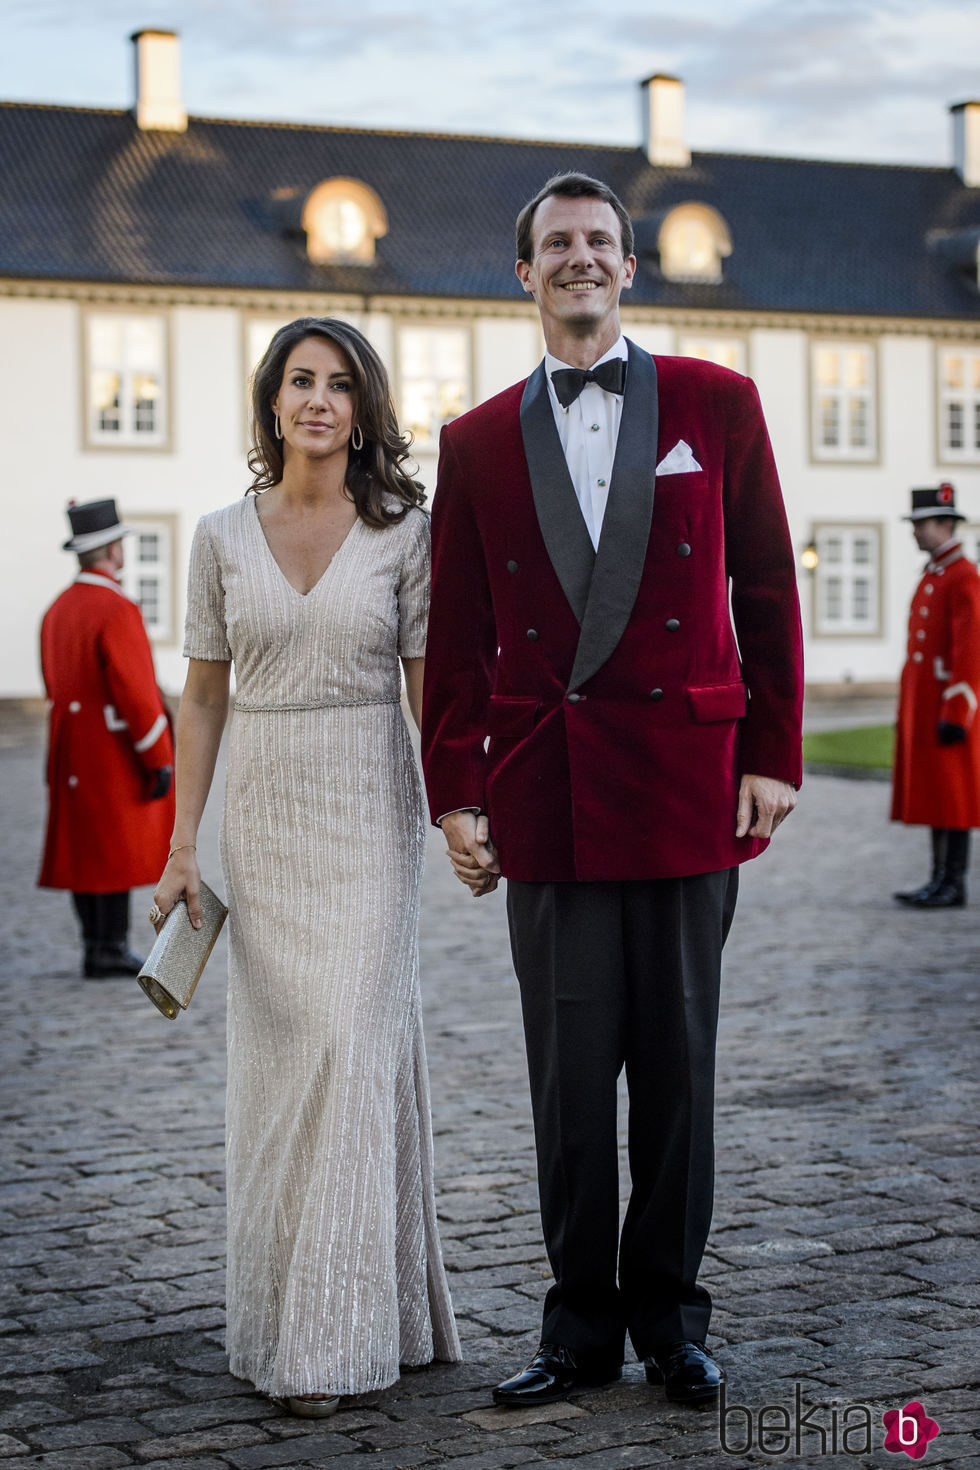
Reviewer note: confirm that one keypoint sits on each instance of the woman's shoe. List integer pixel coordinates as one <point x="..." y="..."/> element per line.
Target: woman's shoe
<point x="312" y="1405"/>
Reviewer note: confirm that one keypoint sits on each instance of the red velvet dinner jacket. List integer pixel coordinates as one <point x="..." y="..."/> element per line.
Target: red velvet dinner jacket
<point x="623" y="764"/>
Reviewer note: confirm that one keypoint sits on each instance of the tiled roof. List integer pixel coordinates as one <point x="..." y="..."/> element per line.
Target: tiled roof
<point x="86" y="195"/>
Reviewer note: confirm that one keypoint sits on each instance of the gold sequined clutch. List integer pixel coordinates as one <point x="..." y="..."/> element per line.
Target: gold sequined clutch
<point x="173" y="967"/>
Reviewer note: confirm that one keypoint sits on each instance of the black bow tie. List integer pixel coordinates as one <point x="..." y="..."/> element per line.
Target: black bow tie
<point x="569" y="382"/>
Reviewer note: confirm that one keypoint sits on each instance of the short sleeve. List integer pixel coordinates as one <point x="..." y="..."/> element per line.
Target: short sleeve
<point x="414" y="587"/>
<point x="205" y="633"/>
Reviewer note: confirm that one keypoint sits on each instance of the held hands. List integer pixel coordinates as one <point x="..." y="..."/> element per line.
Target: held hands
<point x="762" y="804"/>
<point x="181" y="878"/>
<point x="471" y="852"/>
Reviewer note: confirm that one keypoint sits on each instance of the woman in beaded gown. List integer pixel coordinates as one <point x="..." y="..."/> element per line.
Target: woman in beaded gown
<point x="314" y="589"/>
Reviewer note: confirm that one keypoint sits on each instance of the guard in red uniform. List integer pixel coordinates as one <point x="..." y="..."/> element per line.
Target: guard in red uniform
<point x="110" y="750"/>
<point x="937" y="757"/>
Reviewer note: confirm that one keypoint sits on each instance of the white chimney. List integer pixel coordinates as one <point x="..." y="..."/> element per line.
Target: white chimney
<point x="966" y="142"/>
<point x="663" y="121"/>
<point x="158" y="101"/>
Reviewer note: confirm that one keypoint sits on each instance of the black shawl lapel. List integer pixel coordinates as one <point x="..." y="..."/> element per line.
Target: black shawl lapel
<point x="563" y="527"/>
<point x="625" y="532"/>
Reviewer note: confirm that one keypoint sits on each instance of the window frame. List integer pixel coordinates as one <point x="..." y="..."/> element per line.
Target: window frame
<point x="165" y="632"/>
<point x="822" y="454"/>
<point x="129" y="441"/>
<point x="414" y="324"/>
<point x="945" y="455"/>
<point x="877" y="632"/>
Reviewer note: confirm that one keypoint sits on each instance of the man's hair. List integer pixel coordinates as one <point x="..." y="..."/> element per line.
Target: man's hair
<point x="92" y="558"/>
<point x="571" y="186"/>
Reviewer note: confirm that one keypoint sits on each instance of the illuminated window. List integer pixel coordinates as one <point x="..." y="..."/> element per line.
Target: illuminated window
<point x="434" y="379"/>
<point x="126" y="367"/>
<point x="693" y="242"/>
<point x="148" y="573"/>
<point x="846" y="580"/>
<point x="843" y="401"/>
<point x="342" y="219"/>
<point x="959" y="403"/>
<point x="728" y="352"/>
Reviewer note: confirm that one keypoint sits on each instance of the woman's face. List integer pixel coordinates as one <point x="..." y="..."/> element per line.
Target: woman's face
<point x="316" y="402"/>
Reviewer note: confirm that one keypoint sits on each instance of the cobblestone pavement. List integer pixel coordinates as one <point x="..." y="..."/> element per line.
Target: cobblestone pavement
<point x="843" y="1258"/>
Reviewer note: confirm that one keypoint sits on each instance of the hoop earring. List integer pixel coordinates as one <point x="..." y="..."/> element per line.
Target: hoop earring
<point x="357" y="438"/>
<point x="278" y="426"/>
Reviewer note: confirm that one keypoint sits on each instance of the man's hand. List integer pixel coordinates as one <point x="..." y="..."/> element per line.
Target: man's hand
<point x="762" y="804"/>
<point x="471" y="852"/>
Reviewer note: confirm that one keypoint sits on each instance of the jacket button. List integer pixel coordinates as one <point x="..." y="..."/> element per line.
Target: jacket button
<point x="921" y="634"/>
<point x="917" y="658"/>
<point x="72" y="780"/>
<point x="574" y="698"/>
<point x="672" y="624"/>
<point x="928" y="587"/>
<point x="512" y="566"/>
<point x="656" y="695"/>
<point x="74" y="707"/>
<point x="684" y="549"/>
<point x="923" y="611"/>
<point x="532" y="633"/>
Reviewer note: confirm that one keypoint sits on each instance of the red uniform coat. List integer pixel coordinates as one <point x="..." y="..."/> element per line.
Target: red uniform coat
<point x="108" y="734"/>
<point x="939" y="785"/>
<point x="619" y="712"/>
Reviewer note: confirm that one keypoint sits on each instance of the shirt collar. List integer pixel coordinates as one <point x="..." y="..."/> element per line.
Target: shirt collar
<point x="553" y="364"/>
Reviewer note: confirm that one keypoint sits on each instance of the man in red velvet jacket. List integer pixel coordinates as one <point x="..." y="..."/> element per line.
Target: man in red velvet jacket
<point x="587" y="526"/>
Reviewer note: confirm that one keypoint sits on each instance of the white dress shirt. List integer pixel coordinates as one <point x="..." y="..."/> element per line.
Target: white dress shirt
<point x="588" y="431"/>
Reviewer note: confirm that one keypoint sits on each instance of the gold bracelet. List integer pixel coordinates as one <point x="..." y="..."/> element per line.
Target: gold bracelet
<point x="180" y="848"/>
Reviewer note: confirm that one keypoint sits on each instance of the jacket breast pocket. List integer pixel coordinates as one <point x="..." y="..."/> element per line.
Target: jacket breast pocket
<point x="511" y="716"/>
<point x="713" y="702"/>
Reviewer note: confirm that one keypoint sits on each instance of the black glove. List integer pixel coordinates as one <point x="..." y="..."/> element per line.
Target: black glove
<point x="162" y="779"/>
<point x="949" y="734"/>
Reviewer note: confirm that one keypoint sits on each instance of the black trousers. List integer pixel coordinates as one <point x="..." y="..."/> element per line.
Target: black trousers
<point x="616" y="975"/>
<point x="104" y="917"/>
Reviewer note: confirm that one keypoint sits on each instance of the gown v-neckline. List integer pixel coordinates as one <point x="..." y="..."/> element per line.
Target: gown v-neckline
<point x="275" y="561"/>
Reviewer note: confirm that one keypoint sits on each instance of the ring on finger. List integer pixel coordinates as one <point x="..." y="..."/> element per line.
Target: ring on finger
<point x="155" y="915"/>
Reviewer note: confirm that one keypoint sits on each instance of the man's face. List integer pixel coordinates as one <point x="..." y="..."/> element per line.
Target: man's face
<point x="932" y="532"/>
<point x="577" y="272"/>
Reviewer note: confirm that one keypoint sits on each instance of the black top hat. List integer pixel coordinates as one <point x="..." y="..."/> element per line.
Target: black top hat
<point x="94" y="524"/>
<point x="938" y="502"/>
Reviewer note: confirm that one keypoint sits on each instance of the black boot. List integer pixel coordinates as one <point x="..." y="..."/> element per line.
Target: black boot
<point x="951" y="892"/>
<point x="916" y="896"/>
<point x="87" y="908"/>
<point x="111" y="956"/>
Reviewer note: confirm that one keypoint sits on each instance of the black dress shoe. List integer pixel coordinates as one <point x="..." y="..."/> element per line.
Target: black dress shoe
<point x="106" y="961"/>
<point x="687" y="1371"/>
<point x="553" y="1372"/>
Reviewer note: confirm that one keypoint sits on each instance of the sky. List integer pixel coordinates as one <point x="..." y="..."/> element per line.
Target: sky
<point x="851" y="79"/>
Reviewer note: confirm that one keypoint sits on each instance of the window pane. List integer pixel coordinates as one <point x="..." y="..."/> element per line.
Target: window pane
<point x="148" y="597"/>
<point x="828" y="367"/>
<point x="862" y="551"/>
<point x="148" y="546"/>
<point x="954" y="425"/>
<point x="833" y="549"/>
<point x="976" y="426"/>
<point x="861" y="600"/>
<point x="144" y="342"/>
<point x="829" y="422"/>
<point x="832" y="597"/>
<point x="857" y="368"/>
<point x="859" y="422"/>
<point x="953" y="370"/>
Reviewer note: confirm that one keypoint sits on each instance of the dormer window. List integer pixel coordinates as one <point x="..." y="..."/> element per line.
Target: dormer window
<point x="342" y="219"/>
<point x="693" y="242"/>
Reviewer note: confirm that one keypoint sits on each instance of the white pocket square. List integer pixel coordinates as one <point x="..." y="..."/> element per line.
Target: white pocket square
<point x="680" y="461"/>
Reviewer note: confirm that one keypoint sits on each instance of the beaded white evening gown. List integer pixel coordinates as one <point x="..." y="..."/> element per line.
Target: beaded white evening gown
<point x="335" y="1273"/>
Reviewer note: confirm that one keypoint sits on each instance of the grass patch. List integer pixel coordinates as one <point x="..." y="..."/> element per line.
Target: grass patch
<point x="870" y="746"/>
